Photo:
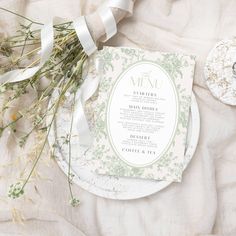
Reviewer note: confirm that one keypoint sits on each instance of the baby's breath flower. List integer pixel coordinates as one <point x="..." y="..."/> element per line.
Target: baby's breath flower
<point x="74" y="202"/>
<point x="23" y="140"/>
<point x="16" y="190"/>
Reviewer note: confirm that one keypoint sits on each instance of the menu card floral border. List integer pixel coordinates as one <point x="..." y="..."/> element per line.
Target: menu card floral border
<point x="102" y="157"/>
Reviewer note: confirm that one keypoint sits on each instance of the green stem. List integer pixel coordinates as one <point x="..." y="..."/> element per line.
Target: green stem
<point x="43" y="117"/>
<point x="24" y="45"/>
<point x="11" y="40"/>
<point x="68" y="84"/>
<point x="25" y="42"/>
<point x="26" y="18"/>
<point x="13" y="122"/>
<point x="69" y="141"/>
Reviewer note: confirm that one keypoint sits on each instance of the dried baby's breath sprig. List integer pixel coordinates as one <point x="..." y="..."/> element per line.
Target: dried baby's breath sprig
<point x="63" y="72"/>
<point x="73" y="201"/>
<point x="16" y="190"/>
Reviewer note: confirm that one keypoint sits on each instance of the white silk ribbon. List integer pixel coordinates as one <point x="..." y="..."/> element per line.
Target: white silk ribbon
<point x="90" y="85"/>
<point x="47" y="38"/>
<point x="86" y="91"/>
<point x="125" y="5"/>
<point x="84" y="35"/>
<point x="108" y="18"/>
<point x="108" y="21"/>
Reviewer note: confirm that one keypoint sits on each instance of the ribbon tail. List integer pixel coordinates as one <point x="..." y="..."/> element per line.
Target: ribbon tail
<point x="87" y="90"/>
<point x="85" y="137"/>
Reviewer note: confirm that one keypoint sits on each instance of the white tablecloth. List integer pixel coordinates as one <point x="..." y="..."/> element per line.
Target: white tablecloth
<point x="203" y="204"/>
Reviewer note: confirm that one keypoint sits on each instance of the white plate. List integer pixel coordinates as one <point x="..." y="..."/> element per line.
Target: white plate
<point x="109" y="186"/>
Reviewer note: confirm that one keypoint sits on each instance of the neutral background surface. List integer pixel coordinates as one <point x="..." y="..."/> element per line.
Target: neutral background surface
<point x="203" y="204"/>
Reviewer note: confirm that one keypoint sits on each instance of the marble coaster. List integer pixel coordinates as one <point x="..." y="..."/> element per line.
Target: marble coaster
<point x="220" y="71"/>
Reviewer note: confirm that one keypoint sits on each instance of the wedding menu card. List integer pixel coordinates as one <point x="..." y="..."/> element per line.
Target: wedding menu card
<point x="141" y="114"/>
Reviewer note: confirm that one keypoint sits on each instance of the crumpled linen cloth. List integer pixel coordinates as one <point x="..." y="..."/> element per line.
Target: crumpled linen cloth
<point x="204" y="204"/>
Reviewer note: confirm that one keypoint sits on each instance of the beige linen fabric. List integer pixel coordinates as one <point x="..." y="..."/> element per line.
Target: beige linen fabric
<point x="203" y="204"/>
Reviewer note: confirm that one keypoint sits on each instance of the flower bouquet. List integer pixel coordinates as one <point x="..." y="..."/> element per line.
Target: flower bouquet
<point x="47" y="59"/>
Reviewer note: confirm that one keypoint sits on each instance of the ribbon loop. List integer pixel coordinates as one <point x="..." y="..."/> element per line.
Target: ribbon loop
<point x="108" y="18"/>
<point x="108" y="21"/>
<point x="85" y="92"/>
<point x="47" y="38"/>
<point x="125" y="5"/>
<point x="84" y="35"/>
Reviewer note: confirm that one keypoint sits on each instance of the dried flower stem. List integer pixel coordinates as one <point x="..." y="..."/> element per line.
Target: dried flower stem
<point x="64" y="72"/>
